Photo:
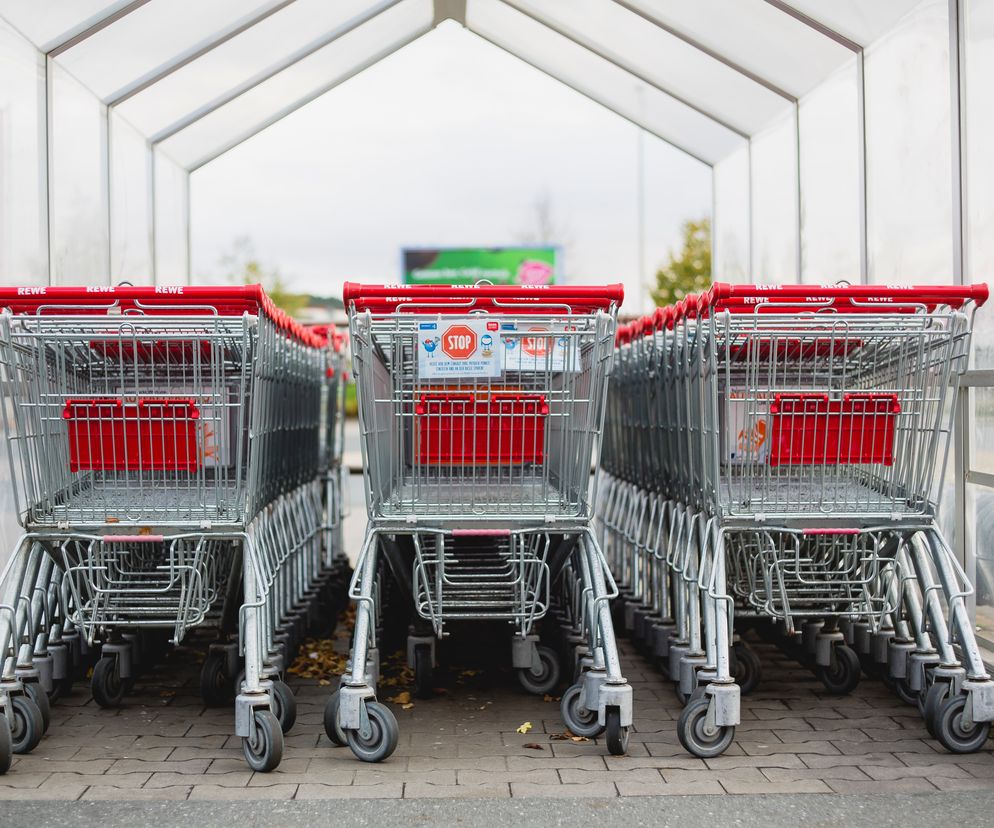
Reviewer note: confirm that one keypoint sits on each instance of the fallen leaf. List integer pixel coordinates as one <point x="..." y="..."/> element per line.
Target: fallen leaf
<point x="548" y="698"/>
<point x="525" y="727"/>
<point x="167" y="694"/>
<point x="579" y="738"/>
<point x="483" y="707"/>
<point x="324" y="682"/>
<point x="401" y="698"/>
<point x="313" y="654"/>
<point x="407" y="706"/>
<point x="533" y="746"/>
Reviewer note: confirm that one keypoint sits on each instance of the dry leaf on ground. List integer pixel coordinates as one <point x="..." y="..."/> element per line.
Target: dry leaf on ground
<point x="524" y="728"/>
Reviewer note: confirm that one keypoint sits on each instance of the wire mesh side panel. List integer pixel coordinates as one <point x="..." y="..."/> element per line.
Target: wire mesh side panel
<point x="830" y="414"/>
<point x="517" y="442"/>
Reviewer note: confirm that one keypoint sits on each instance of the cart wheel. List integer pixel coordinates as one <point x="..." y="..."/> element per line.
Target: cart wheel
<point x="216" y="686"/>
<point x="40" y="698"/>
<point x="264" y="748"/>
<point x="26" y="726"/>
<point x="748" y="669"/>
<point x="6" y="745"/>
<point x="616" y="735"/>
<point x="951" y="733"/>
<point x="934" y="699"/>
<point x="285" y="705"/>
<point x="106" y="684"/>
<point x="382" y="740"/>
<point x="690" y="730"/>
<point x="547" y="676"/>
<point x="904" y="692"/>
<point x="424" y="672"/>
<point x="60" y="688"/>
<point x="842" y="675"/>
<point x="331" y="728"/>
<point x="580" y="720"/>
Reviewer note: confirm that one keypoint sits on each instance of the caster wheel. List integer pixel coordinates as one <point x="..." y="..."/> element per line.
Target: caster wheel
<point x="580" y="720"/>
<point x="264" y="749"/>
<point x="382" y="740"/>
<point x="904" y="692"/>
<point x="6" y="745"/>
<point x="748" y="669"/>
<point x="934" y="699"/>
<point x="40" y="698"/>
<point x="26" y="726"/>
<point x="331" y="728"/>
<point x="544" y="681"/>
<point x="842" y="675"/>
<point x="683" y="698"/>
<point x="60" y="689"/>
<point x="693" y="736"/>
<point x="107" y="686"/>
<point x="424" y="672"/>
<point x="284" y="705"/>
<point x="952" y="734"/>
<point x="616" y="735"/>
<point x="216" y="686"/>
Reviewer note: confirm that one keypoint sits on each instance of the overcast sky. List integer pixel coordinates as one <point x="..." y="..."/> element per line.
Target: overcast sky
<point x="449" y="141"/>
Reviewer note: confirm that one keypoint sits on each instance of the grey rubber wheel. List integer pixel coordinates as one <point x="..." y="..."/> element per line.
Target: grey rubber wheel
<point x="335" y="734"/>
<point x="616" y="735"/>
<point x="382" y="739"/>
<point x="6" y="745"/>
<point x="545" y="678"/>
<point x="26" y="727"/>
<point x="40" y="698"/>
<point x="285" y="705"/>
<point x="580" y="720"/>
<point x="106" y="683"/>
<point x="264" y="749"/>
<point x="951" y="732"/>
<point x="690" y="730"/>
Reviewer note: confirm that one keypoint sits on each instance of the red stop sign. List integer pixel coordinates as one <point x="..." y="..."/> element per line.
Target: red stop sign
<point x="536" y="346"/>
<point x="459" y="342"/>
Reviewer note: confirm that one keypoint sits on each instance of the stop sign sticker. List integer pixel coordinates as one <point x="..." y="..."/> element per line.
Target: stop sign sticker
<point x="459" y="342"/>
<point x="459" y="349"/>
<point x="534" y="345"/>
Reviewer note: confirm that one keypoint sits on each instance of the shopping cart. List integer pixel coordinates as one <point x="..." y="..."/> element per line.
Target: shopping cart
<point x="481" y="410"/>
<point x="164" y="453"/>
<point x="798" y="434"/>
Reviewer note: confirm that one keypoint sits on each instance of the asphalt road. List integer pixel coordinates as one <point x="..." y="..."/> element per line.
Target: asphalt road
<point x="878" y="810"/>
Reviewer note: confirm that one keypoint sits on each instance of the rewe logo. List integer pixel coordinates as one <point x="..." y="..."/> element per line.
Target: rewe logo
<point x="171" y="289"/>
<point x="31" y="291"/>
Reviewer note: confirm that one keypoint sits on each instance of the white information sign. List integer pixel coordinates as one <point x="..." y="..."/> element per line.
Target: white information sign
<point x="459" y="348"/>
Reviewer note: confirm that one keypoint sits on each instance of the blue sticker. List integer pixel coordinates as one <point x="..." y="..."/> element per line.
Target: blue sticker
<point x="428" y="326"/>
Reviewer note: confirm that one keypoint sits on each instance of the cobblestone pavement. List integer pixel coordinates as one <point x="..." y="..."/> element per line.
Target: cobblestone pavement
<point x="794" y="738"/>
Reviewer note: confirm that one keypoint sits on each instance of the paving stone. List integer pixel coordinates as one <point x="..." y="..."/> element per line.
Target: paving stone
<point x="593" y="790"/>
<point x="537" y="777"/>
<point x="108" y="792"/>
<point x="848" y="786"/>
<point x="371" y="775"/>
<point x="423" y="790"/>
<point x="800" y="774"/>
<point x="116" y="780"/>
<point x="804" y="786"/>
<point x="661" y="788"/>
<point x="220" y="792"/>
<point x="944" y="783"/>
<point x="857" y="760"/>
<point x="232" y="779"/>
<point x="391" y="790"/>
<point x="881" y="772"/>
<point x="66" y="792"/>
<point x="757" y="749"/>
<point x="584" y="777"/>
<point x="197" y="766"/>
<point x="772" y="760"/>
<point x="479" y="763"/>
<point x="535" y="761"/>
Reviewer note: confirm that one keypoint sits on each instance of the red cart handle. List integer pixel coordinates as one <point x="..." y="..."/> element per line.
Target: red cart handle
<point x="185" y="300"/>
<point x="955" y="296"/>
<point x="466" y="298"/>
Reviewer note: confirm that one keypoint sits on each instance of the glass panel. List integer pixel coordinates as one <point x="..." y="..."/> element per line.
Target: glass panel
<point x="130" y="204"/>
<point x="980" y="508"/>
<point x="858" y="20"/>
<point x="49" y="22"/>
<point x="172" y="223"/>
<point x="659" y="113"/>
<point x="774" y="204"/>
<point x="908" y="137"/>
<point x="300" y="83"/>
<point x="979" y="111"/>
<point x="668" y="61"/>
<point x="731" y="218"/>
<point x="755" y="35"/>
<point x="829" y="129"/>
<point x="147" y="38"/>
<point x="23" y="220"/>
<point x="252" y="54"/>
<point x="78" y="183"/>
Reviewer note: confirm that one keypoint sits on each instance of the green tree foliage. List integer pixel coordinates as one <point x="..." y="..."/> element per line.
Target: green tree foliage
<point x="242" y="266"/>
<point x="690" y="270"/>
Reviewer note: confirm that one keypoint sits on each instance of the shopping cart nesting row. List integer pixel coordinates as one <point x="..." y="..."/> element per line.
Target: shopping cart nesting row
<point x="775" y="453"/>
<point x="481" y="411"/>
<point x="164" y="449"/>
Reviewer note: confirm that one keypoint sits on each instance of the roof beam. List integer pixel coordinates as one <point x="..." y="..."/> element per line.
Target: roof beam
<point x="589" y="96"/>
<point x="690" y="41"/>
<point x="584" y="43"/>
<point x="818" y="26"/>
<point x="90" y="28"/>
<point x="272" y="71"/>
<point x="196" y="51"/>
<point x="306" y="99"/>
